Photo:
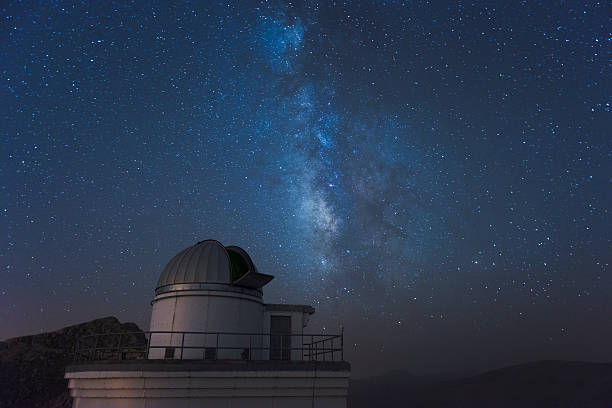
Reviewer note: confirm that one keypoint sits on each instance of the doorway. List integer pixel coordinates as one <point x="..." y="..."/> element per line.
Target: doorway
<point x="280" y="337"/>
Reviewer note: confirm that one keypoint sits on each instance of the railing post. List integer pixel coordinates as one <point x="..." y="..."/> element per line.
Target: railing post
<point x="119" y="347"/>
<point x="148" y="346"/>
<point x="76" y="348"/>
<point x="217" y="348"/>
<point x="250" y="347"/>
<point x="182" y="344"/>
<point x="324" y="349"/>
<point x="93" y="350"/>
<point x="342" y="344"/>
<point x="311" y="346"/>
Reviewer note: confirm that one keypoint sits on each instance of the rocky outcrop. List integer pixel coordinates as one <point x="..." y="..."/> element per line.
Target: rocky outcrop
<point x="32" y="367"/>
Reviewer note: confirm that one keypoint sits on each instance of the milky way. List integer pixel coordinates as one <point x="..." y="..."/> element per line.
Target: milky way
<point x="433" y="177"/>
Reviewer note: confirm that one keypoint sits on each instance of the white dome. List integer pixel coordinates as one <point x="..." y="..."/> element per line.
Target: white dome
<point x="205" y="262"/>
<point x="209" y="262"/>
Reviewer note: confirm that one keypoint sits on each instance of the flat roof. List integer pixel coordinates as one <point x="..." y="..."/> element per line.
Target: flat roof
<point x="280" y="307"/>
<point x="216" y="365"/>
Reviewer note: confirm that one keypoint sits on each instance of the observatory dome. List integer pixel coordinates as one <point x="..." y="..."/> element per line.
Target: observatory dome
<point x="209" y="262"/>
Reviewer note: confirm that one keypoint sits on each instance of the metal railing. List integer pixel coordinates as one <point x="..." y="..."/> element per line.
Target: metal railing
<point x="191" y="345"/>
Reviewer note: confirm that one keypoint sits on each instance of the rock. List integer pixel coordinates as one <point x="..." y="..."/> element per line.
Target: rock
<point x="32" y="367"/>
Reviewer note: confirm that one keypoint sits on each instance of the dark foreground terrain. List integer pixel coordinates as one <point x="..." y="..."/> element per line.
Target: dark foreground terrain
<point x="32" y="375"/>
<point x="544" y="384"/>
<point x="32" y="367"/>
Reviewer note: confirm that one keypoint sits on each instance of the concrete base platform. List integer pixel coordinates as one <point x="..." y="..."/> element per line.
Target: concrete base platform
<point x="218" y="384"/>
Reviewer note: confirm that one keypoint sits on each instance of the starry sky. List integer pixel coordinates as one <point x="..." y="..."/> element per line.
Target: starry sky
<point x="434" y="176"/>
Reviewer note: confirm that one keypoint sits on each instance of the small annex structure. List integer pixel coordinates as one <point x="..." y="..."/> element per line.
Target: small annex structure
<point x="212" y="342"/>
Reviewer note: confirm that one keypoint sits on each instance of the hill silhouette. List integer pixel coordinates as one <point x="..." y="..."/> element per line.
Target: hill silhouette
<point x="543" y="384"/>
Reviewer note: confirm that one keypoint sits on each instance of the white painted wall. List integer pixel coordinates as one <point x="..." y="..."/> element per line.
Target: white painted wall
<point x="206" y="311"/>
<point x="224" y="389"/>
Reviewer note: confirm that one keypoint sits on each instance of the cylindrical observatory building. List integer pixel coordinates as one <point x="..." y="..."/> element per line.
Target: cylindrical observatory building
<point x="213" y="342"/>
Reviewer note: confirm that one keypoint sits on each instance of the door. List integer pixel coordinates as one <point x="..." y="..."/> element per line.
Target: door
<point x="280" y="337"/>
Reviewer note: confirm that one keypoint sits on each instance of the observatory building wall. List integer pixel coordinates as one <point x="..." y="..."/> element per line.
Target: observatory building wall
<point x="231" y="310"/>
<point x="155" y="385"/>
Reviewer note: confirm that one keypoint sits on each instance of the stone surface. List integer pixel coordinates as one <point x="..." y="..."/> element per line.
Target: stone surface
<point x="32" y="368"/>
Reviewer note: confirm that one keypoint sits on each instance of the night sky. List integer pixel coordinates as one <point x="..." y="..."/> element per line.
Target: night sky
<point x="434" y="176"/>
